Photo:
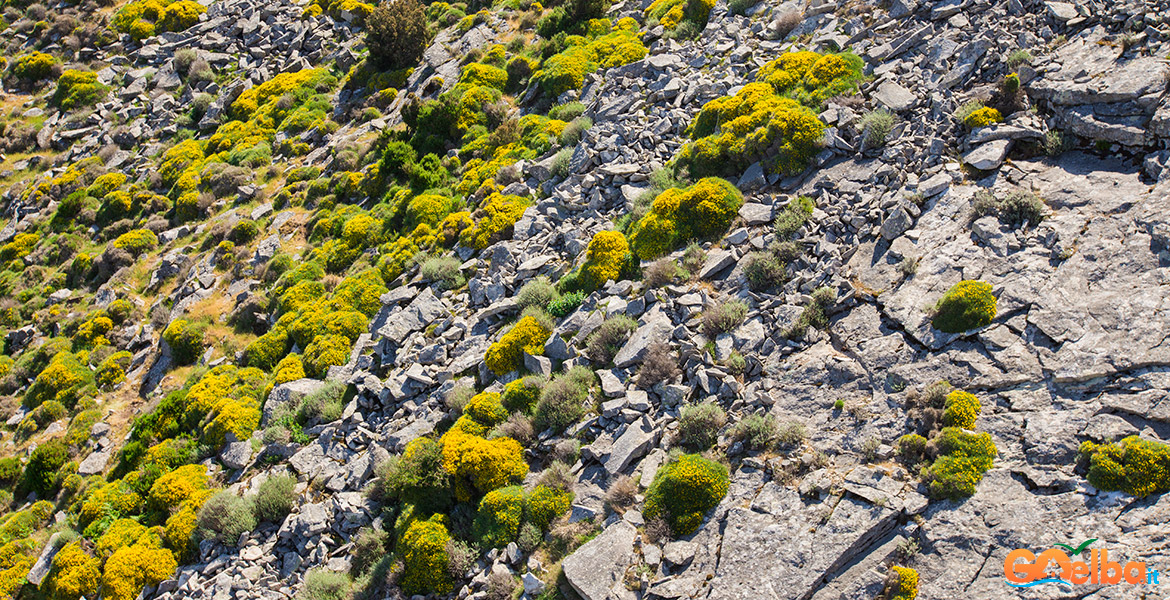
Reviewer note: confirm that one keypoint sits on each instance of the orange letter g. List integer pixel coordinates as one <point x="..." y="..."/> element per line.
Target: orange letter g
<point x="1021" y="573"/>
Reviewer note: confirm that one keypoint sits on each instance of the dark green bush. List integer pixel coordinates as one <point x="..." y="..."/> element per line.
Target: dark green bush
<point x="562" y="401"/>
<point x="763" y="270"/>
<point x="369" y="547"/>
<point x="44" y="466"/>
<point x="565" y="304"/>
<point x="396" y="34"/>
<point x="723" y="317"/>
<point x="244" y="232"/>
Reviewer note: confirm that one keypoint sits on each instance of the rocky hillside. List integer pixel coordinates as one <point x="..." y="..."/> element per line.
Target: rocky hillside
<point x="807" y="299"/>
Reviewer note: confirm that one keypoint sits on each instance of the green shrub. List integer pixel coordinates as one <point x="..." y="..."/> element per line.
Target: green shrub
<point x="1136" y="466"/>
<point x="185" y="340"/>
<point x="10" y="469"/>
<point x="324" y="405"/>
<point x="764" y="271"/>
<point x="566" y="112"/>
<point x="417" y="477"/>
<point x="699" y="426"/>
<point x="1019" y="209"/>
<point x="323" y="584"/>
<point x="538" y="292"/>
<point x="604" y="343"/>
<point x="562" y="401"/>
<point x="968" y="305"/>
<point x="962" y="461"/>
<point x="497" y="522"/>
<point x="369" y="547"/>
<point x="564" y="304"/>
<point x="703" y="211"/>
<point x="793" y="216"/>
<point x="275" y="498"/>
<point x="912" y="448"/>
<point x="396" y="34"/>
<point x="224" y="517"/>
<point x="77" y="88"/>
<point x="443" y="270"/>
<point x="815" y="313"/>
<point x="684" y="490"/>
<point x="522" y="395"/>
<point x="44" y="466"/>
<point x="243" y="232"/>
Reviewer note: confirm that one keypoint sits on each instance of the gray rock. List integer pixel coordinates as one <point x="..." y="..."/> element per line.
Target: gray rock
<point x="637" y="440"/>
<point x="236" y="455"/>
<point x="988" y="156"/>
<point x="287" y="394"/>
<point x="655" y="330"/>
<point x="95" y="463"/>
<point x="895" y="97"/>
<point x="45" y="561"/>
<point x="596" y="570"/>
<point x="898" y="223"/>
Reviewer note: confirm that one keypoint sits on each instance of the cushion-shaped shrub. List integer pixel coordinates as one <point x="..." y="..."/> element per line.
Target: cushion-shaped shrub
<point x="671" y="13"/>
<point x="266" y="351"/>
<point x="684" y="490"/>
<point x="224" y="517"/>
<point x="134" y="567"/>
<point x="497" y="521"/>
<point x="963" y="459"/>
<point x="77" y="88"/>
<point x="41" y="471"/>
<point x="702" y="211"/>
<point x="522" y="394"/>
<point x="418" y="477"/>
<point x="1136" y="466"/>
<point x="562" y="401"/>
<point x="121" y="533"/>
<point x="982" y="117"/>
<point x="482" y="464"/>
<point x="566" y="70"/>
<point x="33" y="67"/>
<point x="326" y="351"/>
<point x="136" y="241"/>
<point x="116" y="497"/>
<point x="424" y="557"/>
<point x="276" y="498"/>
<point x="604" y="257"/>
<point x="74" y="573"/>
<point x="545" y="504"/>
<point x="289" y="369"/>
<point x="961" y="410"/>
<point x="22" y="245"/>
<point x="755" y="124"/>
<point x="426" y="208"/>
<point x="969" y="304"/>
<point x="178" y="486"/>
<point x="485" y="408"/>
<point x="185" y="340"/>
<point x="481" y="74"/>
<point x="507" y="354"/>
<point x="360" y="292"/>
<point x="813" y="78"/>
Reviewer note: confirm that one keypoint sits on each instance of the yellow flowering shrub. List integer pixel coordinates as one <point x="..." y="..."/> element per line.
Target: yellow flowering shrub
<point x="493" y="221"/>
<point x="452" y="226"/>
<point x="360" y="292"/>
<point x="136" y="241"/>
<point x="21" y="246"/>
<point x="229" y="397"/>
<point x="982" y="117"/>
<point x="486" y="75"/>
<point x="812" y="78"/>
<point x="63" y="380"/>
<point x="755" y="124"/>
<point x="485" y="465"/>
<point x="969" y="304"/>
<point x="178" y="528"/>
<point x="326" y="351"/>
<point x="906" y="587"/>
<point x="300" y="83"/>
<point x="429" y="209"/>
<point x="289" y="369"/>
<point x="497" y="521"/>
<point x="134" y="567"/>
<point x="265" y="351"/>
<point x="176" y="487"/>
<point x="962" y="409"/>
<point x="16" y="558"/>
<point x="566" y="70"/>
<point x="521" y="394"/>
<point x="105" y="184"/>
<point x="73" y="574"/>
<point x="92" y="331"/>
<point x="33" y="66"/>
<point x="684" y="490"/>
<point x="121" y="533"/>
<point x="179" y="15"/>
<point x="672" y="12"/>
<point x="702" y="211"/>
<point x="77" y="88"/>
<point x="116" y="497"/>
<point x="178" y="159"/>
<point x="1136" y="466"/>
<point x="545" y="504"/>
<point x="507" y="354"/>
<point x="485" y="408"/>
<point x="424" y="558"/>
<point x="963" y="459"/>
<point x="604" y="257"/>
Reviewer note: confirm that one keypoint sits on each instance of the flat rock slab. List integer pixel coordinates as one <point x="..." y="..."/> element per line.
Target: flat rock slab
<point x="988" y="156"/>
<point x="895" y="97"/>
<point x="597" y="569"/>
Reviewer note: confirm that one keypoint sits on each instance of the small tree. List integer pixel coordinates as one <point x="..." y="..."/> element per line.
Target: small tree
<point x="396" y="33"/>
